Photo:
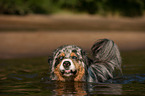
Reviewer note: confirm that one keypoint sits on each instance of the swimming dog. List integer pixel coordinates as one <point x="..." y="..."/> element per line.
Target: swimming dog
<point x="71" y="63"/>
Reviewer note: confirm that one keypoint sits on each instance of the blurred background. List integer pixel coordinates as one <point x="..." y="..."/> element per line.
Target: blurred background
<point x="35" y="28"/>
<point x="129" y="8"/>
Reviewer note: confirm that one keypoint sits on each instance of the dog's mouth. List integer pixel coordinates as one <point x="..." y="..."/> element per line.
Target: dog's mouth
<point x="68" y="73"/>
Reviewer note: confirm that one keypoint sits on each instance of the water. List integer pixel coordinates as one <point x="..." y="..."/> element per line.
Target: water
<point x="29" y="77"/>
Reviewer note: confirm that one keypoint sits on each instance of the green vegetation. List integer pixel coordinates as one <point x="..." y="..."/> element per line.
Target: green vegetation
<point x="129" y="8"/>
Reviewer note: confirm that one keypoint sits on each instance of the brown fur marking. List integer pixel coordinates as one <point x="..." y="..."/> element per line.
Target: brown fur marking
<point x="81" y="72"/>
<point x="73" y="54"/>
<point x="58" y="74"/>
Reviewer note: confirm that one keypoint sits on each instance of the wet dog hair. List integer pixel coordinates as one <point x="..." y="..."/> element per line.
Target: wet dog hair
<point x="105" y="64"/>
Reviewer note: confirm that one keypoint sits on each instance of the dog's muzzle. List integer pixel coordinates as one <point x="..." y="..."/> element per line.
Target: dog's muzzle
<point x="67" y="68"/>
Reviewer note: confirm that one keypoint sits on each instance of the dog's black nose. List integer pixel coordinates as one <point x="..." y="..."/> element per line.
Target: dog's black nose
<point x="66" y="64"/>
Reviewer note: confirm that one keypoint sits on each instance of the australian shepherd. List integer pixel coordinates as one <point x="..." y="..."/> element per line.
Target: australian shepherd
<point x="71" y="63"/>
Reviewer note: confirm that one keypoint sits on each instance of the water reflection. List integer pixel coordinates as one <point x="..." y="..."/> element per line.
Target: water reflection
<point x="70" y="88"/>
<point x="30" y="84"/>
<point x="114" y="89"/>
<point x="83" y="88"/>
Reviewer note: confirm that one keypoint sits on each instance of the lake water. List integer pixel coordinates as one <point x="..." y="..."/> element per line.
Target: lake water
<point x="29" y="77"/>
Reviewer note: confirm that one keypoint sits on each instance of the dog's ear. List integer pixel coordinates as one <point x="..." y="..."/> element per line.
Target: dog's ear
<point x="49" y="60"/>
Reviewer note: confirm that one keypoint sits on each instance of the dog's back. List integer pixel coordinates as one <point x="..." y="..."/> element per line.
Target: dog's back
<point x="106" y="61"/>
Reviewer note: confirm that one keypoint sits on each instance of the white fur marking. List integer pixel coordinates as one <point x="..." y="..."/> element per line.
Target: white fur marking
<point x="72" y="66"/>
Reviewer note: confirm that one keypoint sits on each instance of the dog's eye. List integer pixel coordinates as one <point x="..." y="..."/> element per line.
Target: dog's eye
<point x="74" y="57"/>
<point x="61" y="57"/>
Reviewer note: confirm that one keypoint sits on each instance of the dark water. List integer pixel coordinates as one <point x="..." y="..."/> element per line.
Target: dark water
<point x="29" y="77"/>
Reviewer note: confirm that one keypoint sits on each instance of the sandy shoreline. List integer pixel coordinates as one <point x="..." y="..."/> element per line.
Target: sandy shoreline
<point x="39" y="35"/>
<point x="66" y="22"/>
<point x="27" y="44"/>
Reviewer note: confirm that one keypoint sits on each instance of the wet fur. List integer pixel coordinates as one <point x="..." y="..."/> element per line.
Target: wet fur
<point x="105" y="64"/>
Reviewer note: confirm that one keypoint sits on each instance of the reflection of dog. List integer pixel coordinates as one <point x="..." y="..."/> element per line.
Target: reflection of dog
<point x="84" y="89"/>
<point x="70" y="63"/>
<point x="70" y="89"/>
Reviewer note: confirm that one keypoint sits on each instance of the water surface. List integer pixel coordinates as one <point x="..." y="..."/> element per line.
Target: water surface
<point x="29" y="76"/>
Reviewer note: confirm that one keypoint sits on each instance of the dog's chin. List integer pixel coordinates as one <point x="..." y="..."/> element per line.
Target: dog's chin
<point x="68" y="73"/>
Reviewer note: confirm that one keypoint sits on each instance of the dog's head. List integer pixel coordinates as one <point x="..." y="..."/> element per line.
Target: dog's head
<point x="68" y="64"/>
